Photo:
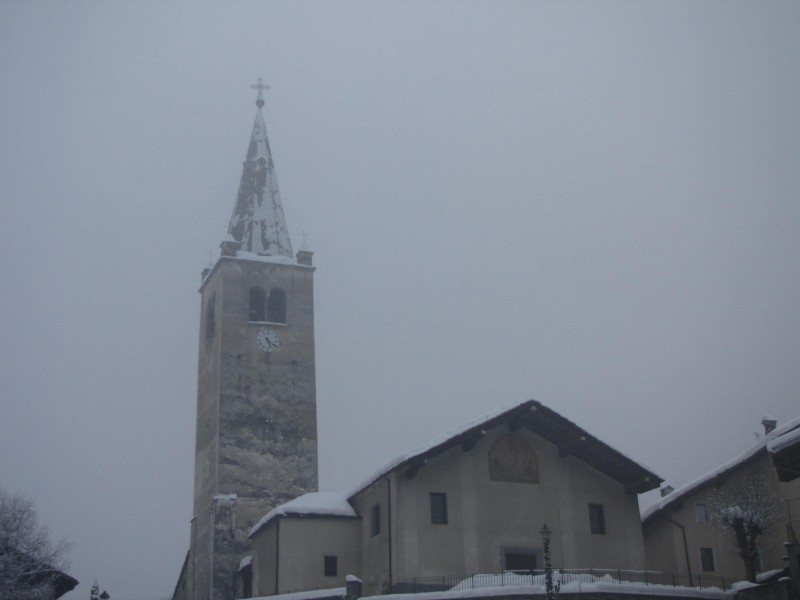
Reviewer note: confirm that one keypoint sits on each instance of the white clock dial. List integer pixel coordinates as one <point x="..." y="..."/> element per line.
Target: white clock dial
<point x="268" y="340"/>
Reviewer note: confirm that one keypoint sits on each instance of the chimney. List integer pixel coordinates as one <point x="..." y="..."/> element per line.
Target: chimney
<point x="769" y="424"/>
<point x="666" y="490"/>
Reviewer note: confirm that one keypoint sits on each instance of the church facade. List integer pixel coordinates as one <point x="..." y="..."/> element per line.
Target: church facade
<point x="473" y="501"/>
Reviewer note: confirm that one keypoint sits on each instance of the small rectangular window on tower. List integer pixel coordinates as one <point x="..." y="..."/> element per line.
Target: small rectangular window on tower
<point x="331" y="566"/>
<point x="375" y="520"/>
<point x="438" y="508"/>
<point x="597" y="519"/>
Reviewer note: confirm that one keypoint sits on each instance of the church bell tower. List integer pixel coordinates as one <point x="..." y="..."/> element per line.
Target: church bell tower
<point x="256" y="443"/>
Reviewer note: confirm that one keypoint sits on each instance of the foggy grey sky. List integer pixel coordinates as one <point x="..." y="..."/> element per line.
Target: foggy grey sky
<point x="593" y="204"/>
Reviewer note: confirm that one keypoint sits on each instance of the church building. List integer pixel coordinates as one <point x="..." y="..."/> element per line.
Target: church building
<point x="472" y="501"/>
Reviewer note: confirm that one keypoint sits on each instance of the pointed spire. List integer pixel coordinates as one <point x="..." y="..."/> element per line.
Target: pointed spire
<point x="257" y="222"/>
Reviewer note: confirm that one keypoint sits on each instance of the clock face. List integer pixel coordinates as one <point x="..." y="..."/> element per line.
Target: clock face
<point x="268" y="340"/>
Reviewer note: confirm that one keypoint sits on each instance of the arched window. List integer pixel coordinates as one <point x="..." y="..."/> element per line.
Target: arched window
<point x="257" y="304"/>
<point x="276" y="306"/>
<point x="210" y="317"/>
<point x="512" y="459"/>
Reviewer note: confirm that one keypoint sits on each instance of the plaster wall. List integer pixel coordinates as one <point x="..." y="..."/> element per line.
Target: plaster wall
<point x="306" y="543"/>
<point x="669" y="556"/>
<point x="264" y="552"/>
<point x="486" y="518"/>
<point x="303" y="543"/>
<point x="375" y="551"/>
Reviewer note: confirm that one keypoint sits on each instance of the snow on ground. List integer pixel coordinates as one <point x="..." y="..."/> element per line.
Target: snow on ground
<point x="514" y="584"/>
<point x="306" y="595"/>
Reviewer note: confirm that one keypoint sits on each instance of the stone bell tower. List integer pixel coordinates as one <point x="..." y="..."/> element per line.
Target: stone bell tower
<point x="256" y="444"/>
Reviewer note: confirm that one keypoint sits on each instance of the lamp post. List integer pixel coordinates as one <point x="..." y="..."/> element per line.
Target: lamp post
<point x="548" y="565"/>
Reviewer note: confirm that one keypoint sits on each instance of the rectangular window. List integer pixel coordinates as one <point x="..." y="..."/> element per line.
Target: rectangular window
<point x="519" y="560"/>
<point x="331" y="566"/>
<point x="438" y="508"/>
<point x="707" y="560"/>
<point x="375" y="519"/>
<point x="597" y="519"/>
<point x="700" y="513"/>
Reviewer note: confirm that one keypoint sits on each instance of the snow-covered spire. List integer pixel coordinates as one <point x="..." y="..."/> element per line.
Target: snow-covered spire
<point x="257" y="223"/>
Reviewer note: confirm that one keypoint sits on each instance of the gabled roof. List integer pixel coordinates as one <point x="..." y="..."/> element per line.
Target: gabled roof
<point x="751" y="454"/>
<point x="544" y="422"/>
<point x="785" y="453"/>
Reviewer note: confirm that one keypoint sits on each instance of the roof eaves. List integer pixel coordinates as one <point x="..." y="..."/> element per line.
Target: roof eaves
<point x="719" y="473"/>
<point x="551" y="426"/>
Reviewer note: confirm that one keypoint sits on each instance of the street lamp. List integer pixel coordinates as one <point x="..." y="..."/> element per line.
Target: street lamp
<point x="548" y="565"/>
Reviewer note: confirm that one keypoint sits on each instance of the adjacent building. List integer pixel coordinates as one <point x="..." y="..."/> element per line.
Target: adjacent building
<point x="679" y="532"/>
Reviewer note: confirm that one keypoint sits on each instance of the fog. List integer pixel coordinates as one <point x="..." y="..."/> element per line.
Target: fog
<point x="593" y="204"/>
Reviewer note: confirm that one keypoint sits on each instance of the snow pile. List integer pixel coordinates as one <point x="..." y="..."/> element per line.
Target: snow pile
<point x="329" y="593"/>
<point x="514" y="584"/>
<point x="769" y="575"/>
<point x="326" y="504"/>
<point x="509" y="579"/>
<point x="584" y="582"/>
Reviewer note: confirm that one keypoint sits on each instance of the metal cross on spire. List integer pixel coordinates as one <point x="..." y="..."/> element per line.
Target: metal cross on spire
<point x="260" y="86"/>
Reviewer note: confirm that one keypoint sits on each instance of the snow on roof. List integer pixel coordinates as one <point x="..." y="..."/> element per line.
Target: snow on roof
<point x="275" y="258"/>
<point x="225" y="497"/>
<point x="246" y="561"/>
<point x="319" y="504"/>
<point x="791" y="426"/>
<point x="784" y="441"/>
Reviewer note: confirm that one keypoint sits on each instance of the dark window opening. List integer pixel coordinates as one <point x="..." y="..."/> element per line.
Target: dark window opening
<point x="276" y="306"/>
<point x="707" y="560"/>
<point x="375" y="520"/>
<point x="597" y="519"/>
<point x="520" y="561"/>
<point x="700" y="513"/>
<point x="210" y="316"/>
<point x="438" y="508"/>
<point x="257" y="304"/>
<point x="246" y="575"/>
<point x="331" y="566"/>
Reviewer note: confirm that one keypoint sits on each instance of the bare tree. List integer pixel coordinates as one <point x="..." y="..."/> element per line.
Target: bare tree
<point x="746" y="509"/>
<point x="30" y="563"/>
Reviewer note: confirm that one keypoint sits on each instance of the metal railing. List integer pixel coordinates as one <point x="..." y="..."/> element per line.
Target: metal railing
<point x="793" y="521"/>
<point x="564" y="579"/>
